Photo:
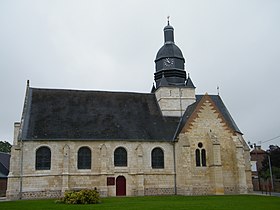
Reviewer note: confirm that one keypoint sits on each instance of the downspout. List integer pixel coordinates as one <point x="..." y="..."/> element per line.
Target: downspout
<point x="175" y="172"/>
<point x="21" y="169"/>
<point x="174" y="151"/>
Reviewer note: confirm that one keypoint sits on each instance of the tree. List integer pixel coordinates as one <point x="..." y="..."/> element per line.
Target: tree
<point x="5" y="146"/>
<point x="274" y="153"/>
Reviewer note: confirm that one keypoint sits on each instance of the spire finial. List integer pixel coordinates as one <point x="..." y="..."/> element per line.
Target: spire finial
<point x="168" y="17"/>
<point x="218" y="90"/>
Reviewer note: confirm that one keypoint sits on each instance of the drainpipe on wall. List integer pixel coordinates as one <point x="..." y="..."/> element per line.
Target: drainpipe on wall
<point x="175" y="173"/>
<point x="21" y="169"/>
<point x="174" y="153"/>
<point x="174" y="142"/>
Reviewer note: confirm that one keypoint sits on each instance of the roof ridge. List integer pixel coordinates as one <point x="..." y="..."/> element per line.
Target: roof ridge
<point x="87" y="91"/>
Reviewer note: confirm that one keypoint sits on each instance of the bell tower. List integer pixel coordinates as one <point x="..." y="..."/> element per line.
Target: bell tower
<point x="174" y="90"/>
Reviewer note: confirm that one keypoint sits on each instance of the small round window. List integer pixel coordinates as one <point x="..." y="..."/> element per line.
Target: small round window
<point x="200" y="145"/>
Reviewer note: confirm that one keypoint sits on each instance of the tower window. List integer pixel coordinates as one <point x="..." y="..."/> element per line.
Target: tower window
<point x="157" y="158"/>
<point x="84" y="158"/>
<point x="120" y="157"/>
<point x="200" y="155"/>
<point x="43" y="158"/>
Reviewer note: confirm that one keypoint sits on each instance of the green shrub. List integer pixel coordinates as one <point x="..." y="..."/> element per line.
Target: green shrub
<point x="81" y="197"/>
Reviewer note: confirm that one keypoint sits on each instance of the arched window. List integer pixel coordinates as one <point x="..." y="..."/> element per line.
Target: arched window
<point x="43" y="158"/>
<point x="84" y="158"/>
<point x="197" y="157"/>
<point x="200" y="155"/>
<point x="120" y="157"/>
<point x="157" y="158"/>
<point x="203" y="157"/>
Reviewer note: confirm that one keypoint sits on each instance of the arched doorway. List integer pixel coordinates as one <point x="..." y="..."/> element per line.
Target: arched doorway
<point x="121" y="186"/>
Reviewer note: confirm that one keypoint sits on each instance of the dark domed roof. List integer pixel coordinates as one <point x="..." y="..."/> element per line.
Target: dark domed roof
<point x="169" y="50"/>
<point x="168" y="27"/>
<point x="170" y="63"/>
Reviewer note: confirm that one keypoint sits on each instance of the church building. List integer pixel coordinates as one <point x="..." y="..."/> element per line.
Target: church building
<point x="171" y="141"/>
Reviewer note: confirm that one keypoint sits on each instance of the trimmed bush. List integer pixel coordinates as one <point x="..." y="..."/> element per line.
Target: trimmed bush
<point x="81" y="197"/>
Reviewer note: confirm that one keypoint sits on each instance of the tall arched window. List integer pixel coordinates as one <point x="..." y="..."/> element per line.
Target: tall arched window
<point x="197" y="157"/>
<point x="203" y="157"/>
<point x="157" y="158"/>
<point x="120" y="157"/>
<point x="43" y="158"/>
<point x="200" y="155"/>
<point x="84" y="158"/>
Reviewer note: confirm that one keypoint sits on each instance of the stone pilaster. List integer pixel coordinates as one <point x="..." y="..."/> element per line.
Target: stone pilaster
<point x="216" y="166"/>
<point x="183" y="166"/>
<point x="140" y="185"/>
<point x="104" y="189"/>
<point x="13" y="186"/>
<point x="242" y="184"/>
<point x="140" y="172"/>
<point x="103" y="158"/>
<point x="65" y="173"/>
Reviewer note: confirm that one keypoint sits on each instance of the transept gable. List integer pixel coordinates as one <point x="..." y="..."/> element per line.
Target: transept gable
<point x="206" y="109"/>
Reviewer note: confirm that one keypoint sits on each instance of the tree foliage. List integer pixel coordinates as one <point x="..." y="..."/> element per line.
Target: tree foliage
<point x="5" y="147"/>
<point x="274" y="154"/>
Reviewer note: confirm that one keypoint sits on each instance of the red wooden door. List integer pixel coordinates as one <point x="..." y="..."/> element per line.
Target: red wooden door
<point x="120" y="186"/>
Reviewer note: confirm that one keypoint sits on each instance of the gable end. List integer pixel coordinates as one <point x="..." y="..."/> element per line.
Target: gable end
<point x="199" y="107"/>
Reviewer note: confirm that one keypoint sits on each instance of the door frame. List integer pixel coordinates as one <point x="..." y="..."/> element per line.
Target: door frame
<point x="121" y="186"/>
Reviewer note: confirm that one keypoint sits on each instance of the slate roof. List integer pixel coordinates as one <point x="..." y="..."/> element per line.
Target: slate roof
<point x="52" y="114"/>
<point x="4" y="164"/>
<point x="224" y="111"/>
<point x="57" y="114"/>
<point x="189" y="83"/>
<point x="169" y="50"/>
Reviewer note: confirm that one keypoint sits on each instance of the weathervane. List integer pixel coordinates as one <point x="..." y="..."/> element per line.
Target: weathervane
<point x="168" y="17"/>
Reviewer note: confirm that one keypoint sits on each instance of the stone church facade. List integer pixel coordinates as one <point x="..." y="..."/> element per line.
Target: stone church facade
<point x="170" y="141"/>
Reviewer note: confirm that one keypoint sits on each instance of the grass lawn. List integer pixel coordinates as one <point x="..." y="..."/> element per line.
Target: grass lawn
<point x="238" y="202"/>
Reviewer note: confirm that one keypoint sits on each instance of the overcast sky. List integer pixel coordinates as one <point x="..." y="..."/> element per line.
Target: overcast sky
<point x="111" y="45"/>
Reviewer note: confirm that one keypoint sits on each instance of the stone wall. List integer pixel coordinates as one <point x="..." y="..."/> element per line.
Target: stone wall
<point x="226" y="159"/>
<point x="173" y="101"/>
<point x="64" y="174"/>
